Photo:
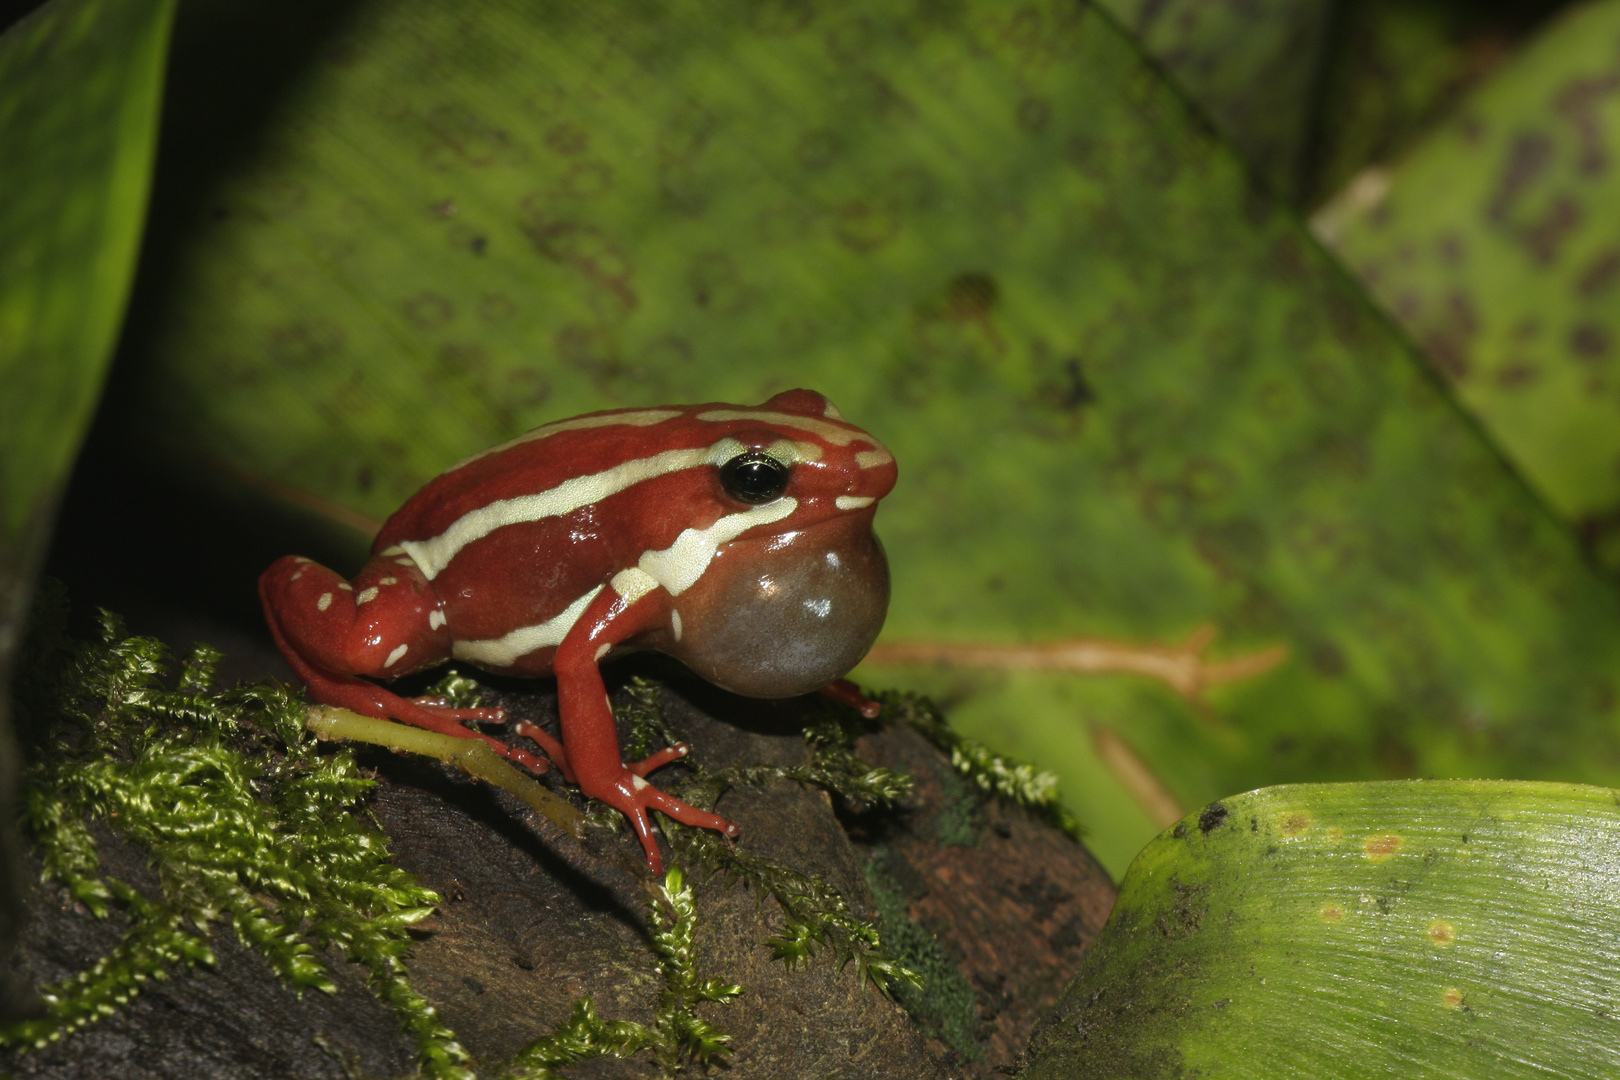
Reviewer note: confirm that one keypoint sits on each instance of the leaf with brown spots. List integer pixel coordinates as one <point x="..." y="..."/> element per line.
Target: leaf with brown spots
<point x="1495" y="245"/>
<point x="1411" y="928"/>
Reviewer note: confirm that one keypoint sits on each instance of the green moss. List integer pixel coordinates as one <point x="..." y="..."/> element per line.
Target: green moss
<point x="678" y="1036"/>
<point x="1019" y="784"/>
<point x="249" y="823"/>
<point x="815" y="914"/>
<point x="941" y="1001"/>
<point x="960" y="820"/>
<point x="245" y="821"/>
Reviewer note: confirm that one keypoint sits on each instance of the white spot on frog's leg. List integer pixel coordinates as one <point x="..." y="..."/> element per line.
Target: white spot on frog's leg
<point x="435" y="619"/>
<point x="675" y="623"/>
<point x="324" y="602"/>
<point x="678" y="567"/>
<point x="394" y="656"/>
<point x="345" y="586"/>
<point x="639" y="782"/>
<point x="366" y="596"/>
<point x="386" y="552"/>
<point x="296" y="576"/>
<point x="831" y="412"/>
<point x="602" y="650"/>
<point x="853" y="502"/>
<point x="301" y="559"/>
<point x="407" y="561"/>
<point x="505" y="650"/>
<point x="388" y="581"/>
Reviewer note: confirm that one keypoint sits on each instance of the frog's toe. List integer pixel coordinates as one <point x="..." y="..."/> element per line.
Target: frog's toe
<point x="634" y="797"/>
<point x="554" y="749"/>
<point x="660" y="759"/>
<point x="685" y="813"/>
<point x="443" y="707"/>
<point x="649" y="840"/>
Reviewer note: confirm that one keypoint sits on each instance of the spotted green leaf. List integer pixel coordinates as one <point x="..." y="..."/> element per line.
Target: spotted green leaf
<point x="1462" y="929"/>
<point x="1496" y="243"/>
<point x="1129" y="395"/>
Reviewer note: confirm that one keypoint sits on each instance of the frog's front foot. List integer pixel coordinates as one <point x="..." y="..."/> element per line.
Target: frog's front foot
<point x="559" y="754"/>
<point x="633" y="797"/>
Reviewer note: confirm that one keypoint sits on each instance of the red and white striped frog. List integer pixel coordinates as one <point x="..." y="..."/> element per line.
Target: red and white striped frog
<point x="738" y="540"/>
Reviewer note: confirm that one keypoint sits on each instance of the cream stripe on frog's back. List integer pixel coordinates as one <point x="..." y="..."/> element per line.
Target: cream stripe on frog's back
<point x="630" y="417"/>
<point x="434" y="554"/>
<point x="837" y="434"/>
<point x="506" y="650"/>
<point x="674" y="569"/>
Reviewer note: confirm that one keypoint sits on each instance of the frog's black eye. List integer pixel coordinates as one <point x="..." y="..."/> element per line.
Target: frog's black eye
<point x="754" y="477"/>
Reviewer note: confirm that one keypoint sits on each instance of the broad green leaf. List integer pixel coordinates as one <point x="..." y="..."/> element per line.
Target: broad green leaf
<point x="1464" y="929"/>
<point x="1252" y="67"/>
<point x="1497" y="246"/>
<point x="79" y="88"/>
<point x="1396" y="69"/>
<point x="1128" y="395"/>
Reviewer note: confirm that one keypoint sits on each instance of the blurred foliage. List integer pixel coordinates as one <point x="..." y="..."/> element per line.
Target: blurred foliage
<point x="1310" y="92"/>
<point x="78" y="130"/>
<point x="1128" y="393"/>
<point x="1253" y="66"/>
<point x="1395" y="70"/>
<point x="1497" y="246"/>
<point x="1457" y="929"/>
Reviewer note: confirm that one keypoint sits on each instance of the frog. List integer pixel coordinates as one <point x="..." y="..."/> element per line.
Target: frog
<point x="737" y="539"/>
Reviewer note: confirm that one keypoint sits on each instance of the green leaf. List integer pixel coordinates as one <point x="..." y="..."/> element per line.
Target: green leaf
<point x="1461" y="929"/>
<point x="1251" y="67"/>
<point x="1493" y="243"/>
<point x="79" y="87"/>
<point x="1129" y="395"/>
<point x="79" y="90"/>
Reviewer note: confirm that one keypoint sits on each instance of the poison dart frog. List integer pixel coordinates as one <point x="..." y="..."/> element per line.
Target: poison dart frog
<point x="736" y="539"/>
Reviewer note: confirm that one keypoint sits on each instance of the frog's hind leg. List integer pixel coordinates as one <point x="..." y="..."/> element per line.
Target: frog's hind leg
<point x="386" y="624"/>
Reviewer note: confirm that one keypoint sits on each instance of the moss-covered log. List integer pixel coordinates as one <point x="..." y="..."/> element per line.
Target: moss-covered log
<point x="887" y="913"/>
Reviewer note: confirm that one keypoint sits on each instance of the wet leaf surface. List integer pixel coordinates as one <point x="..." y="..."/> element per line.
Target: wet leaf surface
<point x="1444" y="929"/>
<point x="79" y="89"/>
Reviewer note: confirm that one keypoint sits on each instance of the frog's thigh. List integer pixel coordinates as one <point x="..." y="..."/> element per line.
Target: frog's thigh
<point x="387" y="623"/>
